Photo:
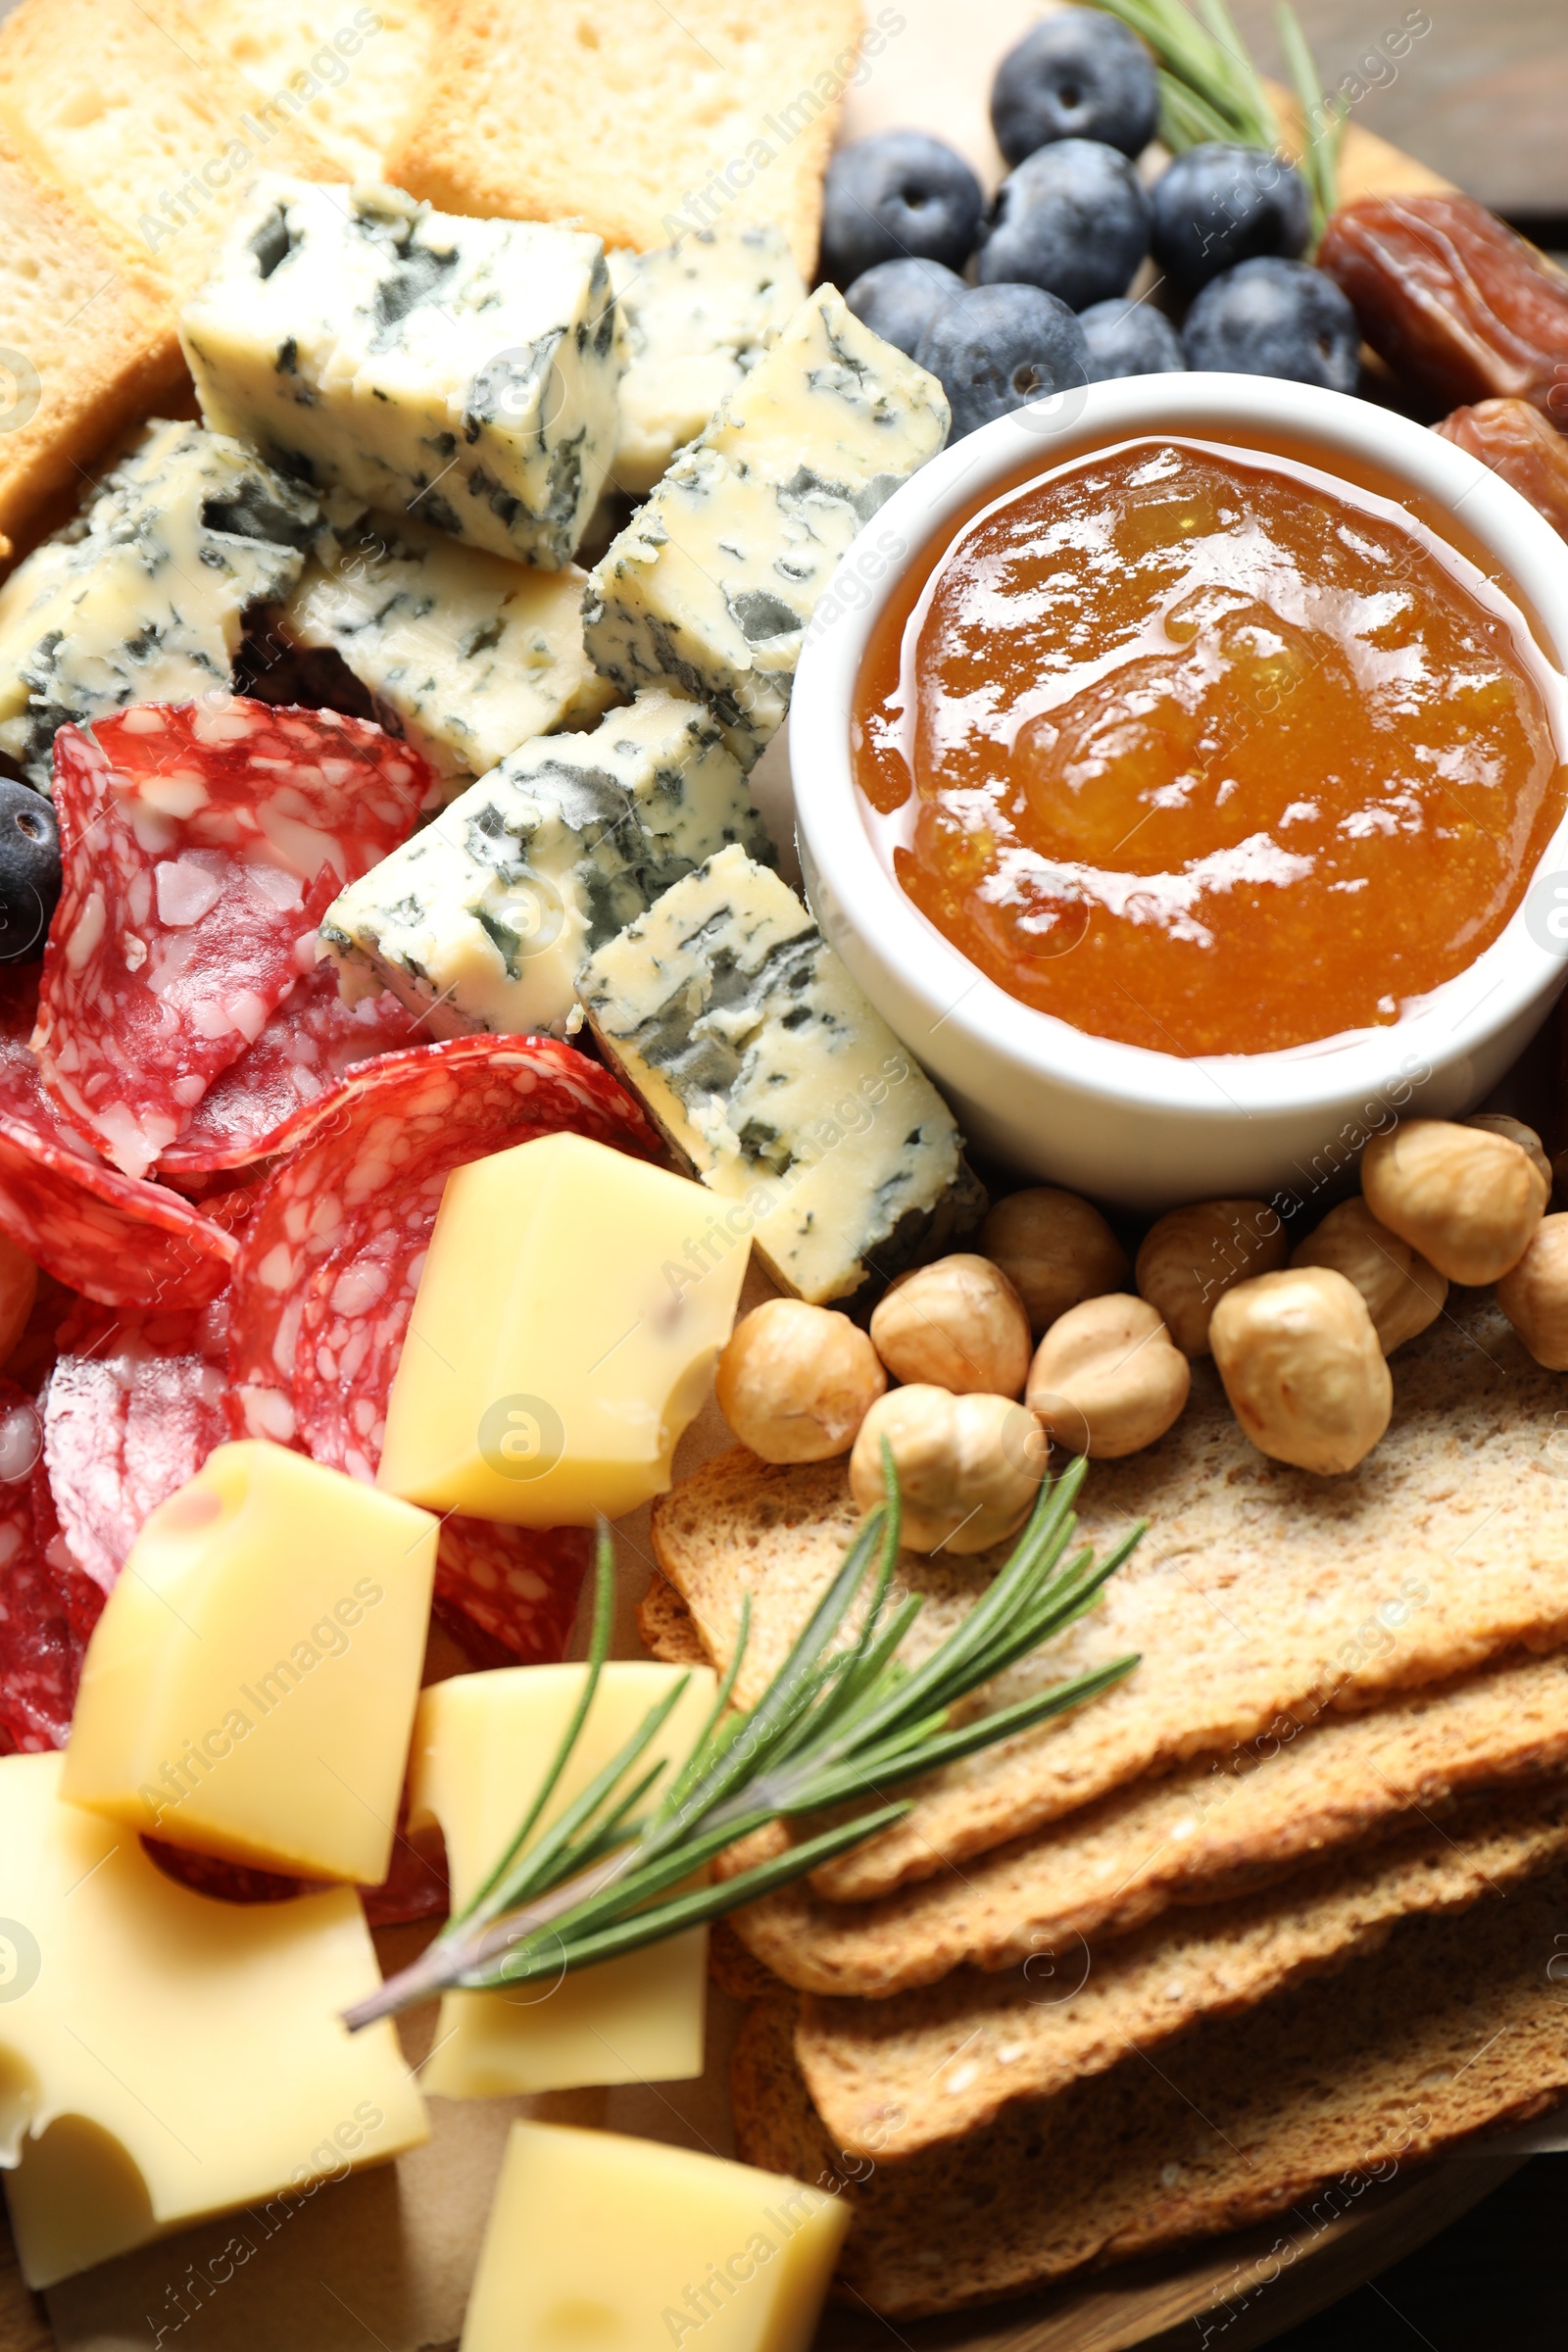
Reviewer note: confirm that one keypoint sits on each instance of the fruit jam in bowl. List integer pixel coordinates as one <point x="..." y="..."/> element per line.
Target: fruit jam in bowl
<point x="1182" y="776"/>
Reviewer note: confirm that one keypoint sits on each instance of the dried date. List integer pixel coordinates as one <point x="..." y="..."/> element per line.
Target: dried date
<point x="1516" y="441"/>
<point x="1460" y="308"/>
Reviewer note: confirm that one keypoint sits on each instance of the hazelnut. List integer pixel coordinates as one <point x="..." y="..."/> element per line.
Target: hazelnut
<point x="969" y="1467"/>
<point x="19" y="1287"/>
<point x="1499" y="1123"/>
<point x="795" y="1382"/>
<point x="1300" y="1358"/>
<point x="958" y="1324"/>
<point x="1403" y="1294"/>
<point x="1533" y="1295"/>
<point x="1467" y="1198"/>
<point x="1056" y="1250"/>
<point x="1106" y="1380"/>
<point x="1194" y="1256"/>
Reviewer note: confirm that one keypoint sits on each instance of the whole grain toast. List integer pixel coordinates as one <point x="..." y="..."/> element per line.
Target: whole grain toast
<point x="1454" y="2025"/>
<point x="891" y="2078"/>
<point x="87" y="348"/>
<point x="1225" y="1825"/>
<point x="362" y="72"/>
<point x="642" y="121"/>
<point x="1260" y="1589"/>
<point x="666" y="1626"/>
<point x="127" y="107"/>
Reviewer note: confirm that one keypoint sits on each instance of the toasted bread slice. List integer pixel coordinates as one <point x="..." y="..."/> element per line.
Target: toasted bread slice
<point x="1223" y="1826"/>
<point x="1259" y="1591"/>
<point x="126" y="105"/>
<point x="1452" y="2027"/>
<point x="87" y="348"/>
<point x="361" y="71"/>
<point x="641" y="122"/>
<point x="891" y="2078"/>
<point x="666" y="1626"/>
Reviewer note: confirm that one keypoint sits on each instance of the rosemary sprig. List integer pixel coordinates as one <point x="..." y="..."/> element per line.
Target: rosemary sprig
<point x="841" y="1723"/>
<point x="1210" y="89"/>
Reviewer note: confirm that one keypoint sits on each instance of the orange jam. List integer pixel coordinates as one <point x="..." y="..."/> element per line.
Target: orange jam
<point x="1207" y="751"/>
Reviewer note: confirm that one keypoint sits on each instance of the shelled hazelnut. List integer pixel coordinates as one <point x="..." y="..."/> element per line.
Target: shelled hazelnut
<point x="958" y="1324"/>
<point x="1499" y="1123"/>
<point x="1192" y="1256"/>
<point x="1300" y="1358"/>
<point x="795" y="1382"/>
<point x="1533" y="1295"/>
<point x="1106" y="1379"/>
<point x="1403" y="1292"/>
<point x="969" y="1467"/>
<point x="1056" y="1250"/>
<point x="1467" y="1198"/>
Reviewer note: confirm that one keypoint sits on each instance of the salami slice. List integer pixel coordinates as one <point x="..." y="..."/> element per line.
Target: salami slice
<point x="201" y="842"/>
<point x="345" y="1218"/>
<point x="131" y="1410"/>
<point x="516" y="1587"/>
<point x="110" y="1236"/>
<point x="40" y="1655"/>
<point x="309" y="1043"/>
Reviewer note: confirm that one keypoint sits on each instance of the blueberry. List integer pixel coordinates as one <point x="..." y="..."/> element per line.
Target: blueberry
<point x="29" y="870"/>
<point x="897" y="300"/>
<point x="1272" y="318"/>
<point x="1218" y="206"/>
<point x="1077" y="76"/>
<point x="998" y="348"/>
<point x="1072" y="219"/>
<point x="1129" y="338"/>
<point x="895" y="194"/>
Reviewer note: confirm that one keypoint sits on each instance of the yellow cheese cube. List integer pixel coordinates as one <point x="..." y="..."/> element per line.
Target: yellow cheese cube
<point x="594" y="2239"/>
<point x="250" y="1688"/>
<point x="564" y="1333"/>
<point x="482" y="1743"/>
<point x="164" y="2056"/>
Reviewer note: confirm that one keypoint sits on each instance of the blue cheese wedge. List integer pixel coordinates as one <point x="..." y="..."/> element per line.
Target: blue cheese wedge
<point x="766" y="1070"/>
<point x="462" y="371"/>
<point x="715" y="579"/>
<point x="465" y="654"/>
<point x="481" y="921"/>
<point x="143" y="598"/>
<point x="698" y="317"/>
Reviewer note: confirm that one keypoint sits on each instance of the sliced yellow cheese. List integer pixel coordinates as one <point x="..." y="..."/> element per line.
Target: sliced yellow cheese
<point x="164" y="2056"/>
<point x="482" y="1743"/>
<point x="250" y="1688"/>
<point x="626" y="2244"/>
<point x="561" y="1340"/>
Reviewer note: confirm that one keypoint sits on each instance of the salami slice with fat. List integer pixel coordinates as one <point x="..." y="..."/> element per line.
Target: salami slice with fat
<point x="41" y="1654"/>
<point x="201" y="844"/>
<point x="518" y="1586"/>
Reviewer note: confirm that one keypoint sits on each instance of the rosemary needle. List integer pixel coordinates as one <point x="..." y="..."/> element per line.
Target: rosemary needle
<point x="840" y="1723"/>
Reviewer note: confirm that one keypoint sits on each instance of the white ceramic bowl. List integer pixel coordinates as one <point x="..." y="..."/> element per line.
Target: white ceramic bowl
<point x="1144" y="1129"/>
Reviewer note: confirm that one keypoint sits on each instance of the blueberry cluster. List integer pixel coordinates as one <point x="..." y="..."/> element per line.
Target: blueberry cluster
<point x="1074" y="104"/>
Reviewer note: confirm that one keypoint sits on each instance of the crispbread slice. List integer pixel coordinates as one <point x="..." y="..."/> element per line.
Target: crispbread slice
<point x="1223" y="1826"/>
<point x="86" y="347"/>
<point x="891" y="2078"/>
<point x="362" y="74"/>
<point x="127" y="106"/>
<point x="666" y="1626"/>
<point x="1260" y="1589"/>
<point x="642" y="121"/>
<point x="1454" y="2025"/>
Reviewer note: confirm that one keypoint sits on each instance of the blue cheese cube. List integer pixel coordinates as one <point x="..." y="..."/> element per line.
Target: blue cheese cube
<point x="768" y="1071"/>
<point x="481" y="921"/>
<point x="465" y="654"/>
<point x="143" y="598"/>
<point x="715" y="579"/>
<point x="698" y="317"/>
<point x="462" y="371"/>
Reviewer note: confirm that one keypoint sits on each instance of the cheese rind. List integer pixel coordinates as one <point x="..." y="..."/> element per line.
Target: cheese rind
<point x="171" y="2056"/>
<point x="480" y="920"/>
<point x="468" y="655"/>
<point x="250" y="1686"/>
<point x="559" y="1345"/>
<point x="143" y="597"/>
<point x="698" y="317"/>
<point x="716" y="579"/>
<point x="758" y="1057"/>
<point x="481" y="1743"/>
<point x="594" y="2239"/>
<point x="459" y="370"/>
